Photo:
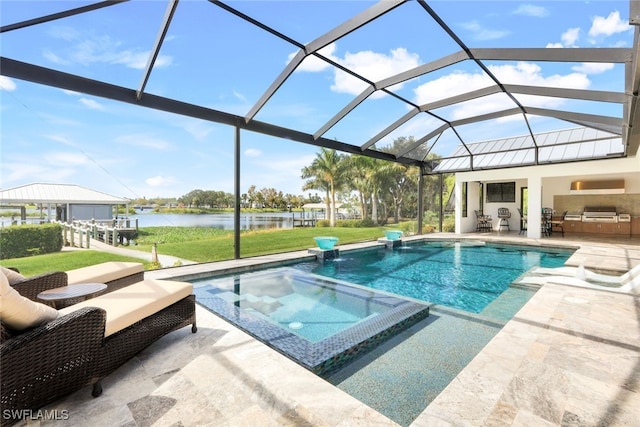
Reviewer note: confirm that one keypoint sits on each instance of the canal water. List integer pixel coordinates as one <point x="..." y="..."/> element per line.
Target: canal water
<point x="223" y="221"/>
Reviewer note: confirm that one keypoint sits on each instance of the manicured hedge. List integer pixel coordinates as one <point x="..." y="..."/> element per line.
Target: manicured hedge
<point x="26" y="240"/>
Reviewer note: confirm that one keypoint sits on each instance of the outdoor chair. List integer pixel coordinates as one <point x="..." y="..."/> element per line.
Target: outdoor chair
<point x="483" y="222"/>
<point x="547" y="215"/>
<point x="558" y="223"/>
<point x="47" y="354"/>
<point x="504" y="215"/>
<point x="114" y="274"/>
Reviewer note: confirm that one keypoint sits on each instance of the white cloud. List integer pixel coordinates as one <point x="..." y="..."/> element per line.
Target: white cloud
<point x="311" y="63"/>
<point x="531" y="10"/>
<point x="66" y="159"/>
<point x="592" y="68"/>
<point x="523" y="73"/>
<point x="91" y="104"/>
<point x="482" y="33"/>
<point x="52" y="57"/>
<point x="608" y="26"/>
<point x="64" y="33"/>
<point x="281" y="173"/>
<point x="198" y="130"/>
<point x="138" y="60"/>
<point x="61" y="139"/>
<point x="30" y="171"/>
<point x="252" y="152"/>
<point x="570" y="37"/>
<point x="160" y="181"/>
<point x="7" y="84"/>
<point x="239" y="96"/>
<point x="373" y="66"/>
<point x="146" y="141"/>
<point x="91" y="49"/>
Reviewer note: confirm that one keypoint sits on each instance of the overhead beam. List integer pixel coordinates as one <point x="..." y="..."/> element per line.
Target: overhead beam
<point x="164" y="27"/>
<point x="393" y="126"/>
<point x="53" y="78"/>
<point x="363" y="18"/>
<point x="313" y="47"/>
<point x="583" y="54"/>
<point x="346" y="110"/>
<point x="614" y="122"/>
<point x="60" y="15"/>
<point x="554" y="92"/>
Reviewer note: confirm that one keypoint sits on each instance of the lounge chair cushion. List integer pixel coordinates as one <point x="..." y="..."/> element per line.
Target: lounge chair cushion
<point x="20" y="313"/>
<point x="12" y="276"/>
<point x="104" y="272"/>
<point x="133" y="303"/>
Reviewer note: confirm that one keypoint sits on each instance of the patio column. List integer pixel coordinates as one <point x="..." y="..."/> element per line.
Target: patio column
<point x="534" y="216"/>
<point x="236" y="209"/>
<point x="458" y="204"/>
<point x="420" y="200"/>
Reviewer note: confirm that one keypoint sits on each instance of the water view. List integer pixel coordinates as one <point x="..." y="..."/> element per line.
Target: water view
<point x="223" y="221"/>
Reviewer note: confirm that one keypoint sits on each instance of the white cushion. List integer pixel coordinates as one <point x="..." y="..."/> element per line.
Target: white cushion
<point x="104" y="272"/>
<point x="12" y="276"/>
<point x="133" y="303"/>
<point x="20" y="313"/>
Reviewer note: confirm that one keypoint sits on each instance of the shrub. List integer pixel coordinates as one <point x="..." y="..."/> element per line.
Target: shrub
<point x="449" y="225"/>
<point x="322" y="223"/>
<point x="27" y="240"/>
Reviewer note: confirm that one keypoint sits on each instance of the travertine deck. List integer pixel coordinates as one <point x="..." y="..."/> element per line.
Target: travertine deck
<point x="570" y="357"/>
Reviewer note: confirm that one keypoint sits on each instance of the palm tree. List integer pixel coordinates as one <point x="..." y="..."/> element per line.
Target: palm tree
<point x="325" y="173"/>
<point x="359" y="167"/>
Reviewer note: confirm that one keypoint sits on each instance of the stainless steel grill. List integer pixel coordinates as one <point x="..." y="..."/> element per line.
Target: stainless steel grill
<point x="600" y="214"/>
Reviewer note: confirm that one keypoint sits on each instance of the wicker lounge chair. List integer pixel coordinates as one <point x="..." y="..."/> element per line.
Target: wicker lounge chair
<point x="83" y="345"/>
<point x="115" y="275"/>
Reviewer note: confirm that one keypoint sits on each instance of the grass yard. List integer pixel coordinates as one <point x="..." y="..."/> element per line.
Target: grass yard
<point x="199" y="244"/>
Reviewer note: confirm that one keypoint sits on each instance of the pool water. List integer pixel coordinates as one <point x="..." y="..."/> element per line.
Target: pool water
<point x="395" y="360"/>
<point x="319" y="322"/>
<point x="465" y="276"/>
<point x="306" y="305"/>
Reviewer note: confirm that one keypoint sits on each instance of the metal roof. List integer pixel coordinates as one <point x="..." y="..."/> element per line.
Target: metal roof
<point x="433" y="124"/>
<point x="563" y="146"/>
<point x="57" y="193"/>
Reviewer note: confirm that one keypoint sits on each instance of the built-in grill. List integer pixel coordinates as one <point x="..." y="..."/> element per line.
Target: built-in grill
<point x="600" y="214"/>
<point x="573" y="217"/>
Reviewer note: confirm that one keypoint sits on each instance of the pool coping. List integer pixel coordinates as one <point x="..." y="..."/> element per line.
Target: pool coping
<point x="332" y="353"/>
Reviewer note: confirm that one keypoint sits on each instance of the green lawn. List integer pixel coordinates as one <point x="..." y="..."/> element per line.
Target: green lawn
<point x="198" y="244"/>
<point x="219" y="246"/>
<point x="63" y="261"/>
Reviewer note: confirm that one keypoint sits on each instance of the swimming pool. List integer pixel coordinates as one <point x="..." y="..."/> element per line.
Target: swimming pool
<point x="323" y="314"/>
<point x="465" y="275"/>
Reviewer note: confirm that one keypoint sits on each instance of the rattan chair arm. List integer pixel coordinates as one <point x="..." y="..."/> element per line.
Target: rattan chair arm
<point x="46" y="363"/>
<point x="30" y="287"/>
<point x="78" y="328"/>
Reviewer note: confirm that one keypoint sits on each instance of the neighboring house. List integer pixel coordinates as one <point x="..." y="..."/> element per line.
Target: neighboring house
<point x="63" y="202"/>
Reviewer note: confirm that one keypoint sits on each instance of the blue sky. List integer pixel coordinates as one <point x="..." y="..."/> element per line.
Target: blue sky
<point x="212" y="58"/>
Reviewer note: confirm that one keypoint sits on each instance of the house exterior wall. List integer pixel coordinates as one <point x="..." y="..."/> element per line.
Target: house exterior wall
<point x="550" y="185"/>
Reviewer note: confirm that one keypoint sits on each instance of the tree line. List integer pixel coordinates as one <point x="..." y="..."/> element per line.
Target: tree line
<point x="379" y="189"/>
